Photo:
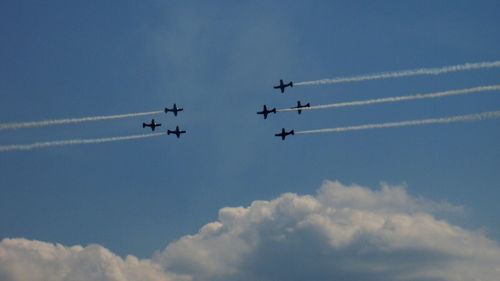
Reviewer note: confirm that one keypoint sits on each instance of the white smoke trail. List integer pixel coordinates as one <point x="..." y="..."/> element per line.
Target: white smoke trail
<point x="43" y="123"/>
<point x="14" y="147"/>
<point x="467" y="91"/>
<point x="403" y="73"/>
<point x="444" y="120"/>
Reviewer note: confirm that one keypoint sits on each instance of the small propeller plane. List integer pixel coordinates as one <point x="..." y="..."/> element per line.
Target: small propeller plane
<point x="282" y="86"/>
<point x="299" y="106"/>
<point x="174" y="109"/>
<point x="265" y="111"/>
<point x="284" y="133"/>
<point x="152" y="125"/>
<point x="177" y="132"/>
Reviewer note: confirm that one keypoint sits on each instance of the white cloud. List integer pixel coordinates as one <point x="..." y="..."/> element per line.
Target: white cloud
<point x="341" y="233"/>
<point x="22" y="260"/>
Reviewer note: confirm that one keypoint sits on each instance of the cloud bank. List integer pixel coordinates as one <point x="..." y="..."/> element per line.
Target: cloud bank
<point x="22" y="260"/>
<point x="340" y="233"/>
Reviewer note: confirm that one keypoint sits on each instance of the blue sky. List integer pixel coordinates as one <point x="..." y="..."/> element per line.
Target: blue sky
<point x="219" y="60"/>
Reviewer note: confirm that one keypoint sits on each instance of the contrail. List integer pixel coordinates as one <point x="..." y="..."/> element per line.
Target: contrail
<point x="43" y="123"/>
<point x="444" y="120"/>
<point x="36" y="145"/>
<point x="403" y="73"/>
<point x="467" y="91"/>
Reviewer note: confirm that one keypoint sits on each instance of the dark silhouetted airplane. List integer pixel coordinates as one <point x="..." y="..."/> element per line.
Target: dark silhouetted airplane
<point x="153" y="125"/>
<point x="283" y="86"/>
<point x="177" y="132"/>
<point x="301" y="106"/>
<point x="174" y="109"/>
<point x="265" y="112"/>
<point x="284" y="133"/>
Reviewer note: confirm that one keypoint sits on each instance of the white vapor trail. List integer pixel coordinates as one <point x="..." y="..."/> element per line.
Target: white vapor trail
<point x="467" y="91"/>
<point x="43" y="123"/>
<point x="15" y="147"/>
<point x="444" y="120"/>
<point x="403" y="73"/>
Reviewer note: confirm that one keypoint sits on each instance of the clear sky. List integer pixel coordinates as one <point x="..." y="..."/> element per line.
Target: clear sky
<point x="219" y="60"/>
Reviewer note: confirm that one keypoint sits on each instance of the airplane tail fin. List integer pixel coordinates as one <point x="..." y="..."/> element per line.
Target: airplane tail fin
<point x="167" y="110"/>
<point x="292" y="132"/>
<point x="169" y="132"/>
<point x="144" y="125"/>
<point x="291" y="84"/>
<point x="273" y="111"/>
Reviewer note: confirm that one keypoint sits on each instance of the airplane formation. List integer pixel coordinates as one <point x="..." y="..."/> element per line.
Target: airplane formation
<point x="265" y="111"/>
<point x="299" y="107"/>
<point x="176" y="132"/>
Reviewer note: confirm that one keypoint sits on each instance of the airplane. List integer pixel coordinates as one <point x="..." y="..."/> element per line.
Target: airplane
<point x="301" y="106"/>
<point x="174" y="109"/>
<point x="177" y="132"/>
<point x="283" y="86"/>
<point x="265" y="112"/>
<point x="153" y="125"/>
<point x="284" y="133"/>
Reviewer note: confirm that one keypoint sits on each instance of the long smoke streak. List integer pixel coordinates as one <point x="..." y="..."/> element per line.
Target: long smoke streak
<point x="403" y="73"/>
<point x="43" y="123"/>
<point x="467" y="91"/>
<point x="444" y="120"/>
<point x="15" y="147"/>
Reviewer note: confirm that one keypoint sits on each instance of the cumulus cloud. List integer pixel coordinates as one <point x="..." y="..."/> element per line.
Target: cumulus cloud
<point x="22" y="260"/>
<point x="340" y="233"/>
